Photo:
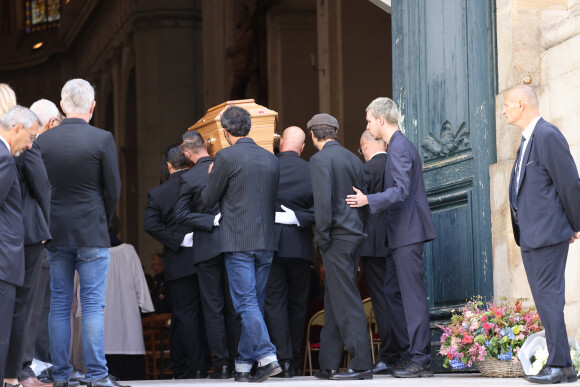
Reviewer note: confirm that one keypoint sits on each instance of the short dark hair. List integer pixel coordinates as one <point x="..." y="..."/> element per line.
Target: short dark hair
<point x="193" y="142"/>
<point x="324" y="132"/>
<point x="236" y="121"/>
<point x="177" y="159"/>
<point x="190" y="134"/>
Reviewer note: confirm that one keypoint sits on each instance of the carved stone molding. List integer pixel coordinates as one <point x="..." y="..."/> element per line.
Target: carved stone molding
<point x="449" y="143"/>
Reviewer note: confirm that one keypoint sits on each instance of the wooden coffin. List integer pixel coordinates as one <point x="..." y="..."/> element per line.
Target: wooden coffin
<point x="264" y="123"/>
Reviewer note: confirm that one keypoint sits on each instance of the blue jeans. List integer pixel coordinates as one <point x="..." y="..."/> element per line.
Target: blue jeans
<point x="247" y="275"/>
<point x="92" y="263"/>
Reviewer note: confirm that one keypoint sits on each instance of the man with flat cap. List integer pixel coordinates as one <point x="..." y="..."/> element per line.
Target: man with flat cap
<point x="339" y="235"/>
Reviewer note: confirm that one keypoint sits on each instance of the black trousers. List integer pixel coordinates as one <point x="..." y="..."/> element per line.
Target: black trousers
<point x="33" y="255"/>
<point x="223" y="325"/>
<point x="375" y="270"/>
<point x="285" y="307"/>
<point x="42" y="344"/>
<point x="36" y="319"/>
<point x="344" y="316"/>
<point x="545" y="269"/>
<point x="189" y="351"/>
<point x="7" y="297"/>
<point x="407" y="302"/>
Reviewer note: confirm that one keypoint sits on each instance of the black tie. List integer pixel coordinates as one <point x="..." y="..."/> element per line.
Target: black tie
<point x="514" y="187"/>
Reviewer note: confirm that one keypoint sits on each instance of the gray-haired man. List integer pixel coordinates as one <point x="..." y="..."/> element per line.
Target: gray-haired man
<point x="19" y="127"/>
<point x="81" y="162"/>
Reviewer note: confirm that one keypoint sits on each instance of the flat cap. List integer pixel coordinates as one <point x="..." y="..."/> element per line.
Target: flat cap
<point x="322" y="119"/>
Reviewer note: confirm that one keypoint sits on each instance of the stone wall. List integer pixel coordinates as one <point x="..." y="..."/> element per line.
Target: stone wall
<point x="538" y="42"/>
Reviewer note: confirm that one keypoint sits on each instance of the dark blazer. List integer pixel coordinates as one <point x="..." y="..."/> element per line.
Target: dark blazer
<point x="81" y="162"/>
<point x="408" y="216"/>
<point x="160" y="224"/>
<point x="190" y="211"/>
<point x="295" y="192"/>
<point x="11" y="223"/>
<point x="376" y="226"/>
<point x="548" y="200"/>
<point x="244" y="179"/>
<point x="334" y="171"/>
<point x="35" y="188"/>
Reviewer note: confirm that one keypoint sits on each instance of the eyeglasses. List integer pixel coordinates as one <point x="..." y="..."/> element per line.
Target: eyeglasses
<point x="359" y="151"/>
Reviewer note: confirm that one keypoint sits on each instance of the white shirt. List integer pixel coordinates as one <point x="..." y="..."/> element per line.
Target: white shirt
<point x="378" y="153"/>
<point x="5" y="142"/>
<point x="527" y="133"/>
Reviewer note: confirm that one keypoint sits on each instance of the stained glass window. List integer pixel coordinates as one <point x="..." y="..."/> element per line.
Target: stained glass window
<point x="41" y="15"/>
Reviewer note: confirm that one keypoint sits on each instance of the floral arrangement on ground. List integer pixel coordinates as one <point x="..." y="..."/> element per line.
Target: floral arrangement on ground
<point x="488" y="330"/>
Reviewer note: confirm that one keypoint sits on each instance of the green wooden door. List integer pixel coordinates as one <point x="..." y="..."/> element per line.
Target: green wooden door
<point x="444" y="84"/>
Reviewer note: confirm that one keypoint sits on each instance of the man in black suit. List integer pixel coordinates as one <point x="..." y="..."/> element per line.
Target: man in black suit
<point x="222" y="323"/>
<point x="81" y="162"/>
<point x="374" y="251"/>
<point x="289" y="281"/>
<point x="409" y="226"/>
<point x="18" y="128"/>
<point x="244" y="179"/>
<point x="189" y="355"/>
<point x="339" y="234"/>
<point x="544" y="192"/>
<point x="35" y="188"/>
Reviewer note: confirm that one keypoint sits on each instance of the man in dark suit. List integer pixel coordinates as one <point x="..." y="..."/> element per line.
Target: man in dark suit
<point x="189" y="355"/>
<point x="244" y="179"/>
<point x="18" y="128"/>
<point x="81" y="162"/>
<point x="222" y="323"/>
<point x="374" y="251"/>
<point x="545" y="207"/>
<point x="289" y="281"/>
<point x="409" y="226"/>
<point x="35" y="188"/>
<point x="339" y="234"/>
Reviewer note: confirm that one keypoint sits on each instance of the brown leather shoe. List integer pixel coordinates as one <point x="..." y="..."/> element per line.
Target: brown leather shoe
<point x="34" y="382"/>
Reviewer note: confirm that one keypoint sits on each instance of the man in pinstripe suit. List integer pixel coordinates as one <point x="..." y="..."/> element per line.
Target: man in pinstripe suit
<point x="244" y="178"/>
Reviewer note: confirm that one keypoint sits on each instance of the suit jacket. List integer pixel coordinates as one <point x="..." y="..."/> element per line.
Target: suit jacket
<point x="408" y="216"/>
<point x="376" y="225"/>
<point x="190" y="211"/>
<point x="35" y="188"/>
<point x="295" y="192"/>
<point x="548" y="200"/>
<point x="160" y="223"/>
<point x="81" y="162"/>
<point x="334" y="171"/>
<point x="244" y="179"/>
<point x="11" y="223"/>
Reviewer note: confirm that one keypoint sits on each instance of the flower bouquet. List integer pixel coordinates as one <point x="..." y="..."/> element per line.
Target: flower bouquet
<point x="485" y="331"/>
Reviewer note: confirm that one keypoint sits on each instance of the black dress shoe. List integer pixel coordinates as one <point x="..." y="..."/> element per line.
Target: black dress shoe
<point x="66" y="384"/>
<point x="262" y="373"/>
<point x="383" y="368"/>
<point x="223" y="372"/>
<point x="109" y="381"/>
<point x="324" y="374"/>
<point x="414" y="370"/>
<point x="242" y="377"/>
<point x="552" y="375"/>
<point x="350" y="374"/>
<point x="287" y="371"/>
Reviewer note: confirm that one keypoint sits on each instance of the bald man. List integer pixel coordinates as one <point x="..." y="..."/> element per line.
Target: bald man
<point x="545" y="207"/>
<point x="289" y="280"/>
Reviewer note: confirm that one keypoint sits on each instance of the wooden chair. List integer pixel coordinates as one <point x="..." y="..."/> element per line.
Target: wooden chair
<point x="316" y="320"/>
<point x="157" y="351"/>
<point x="371" y="324"/>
